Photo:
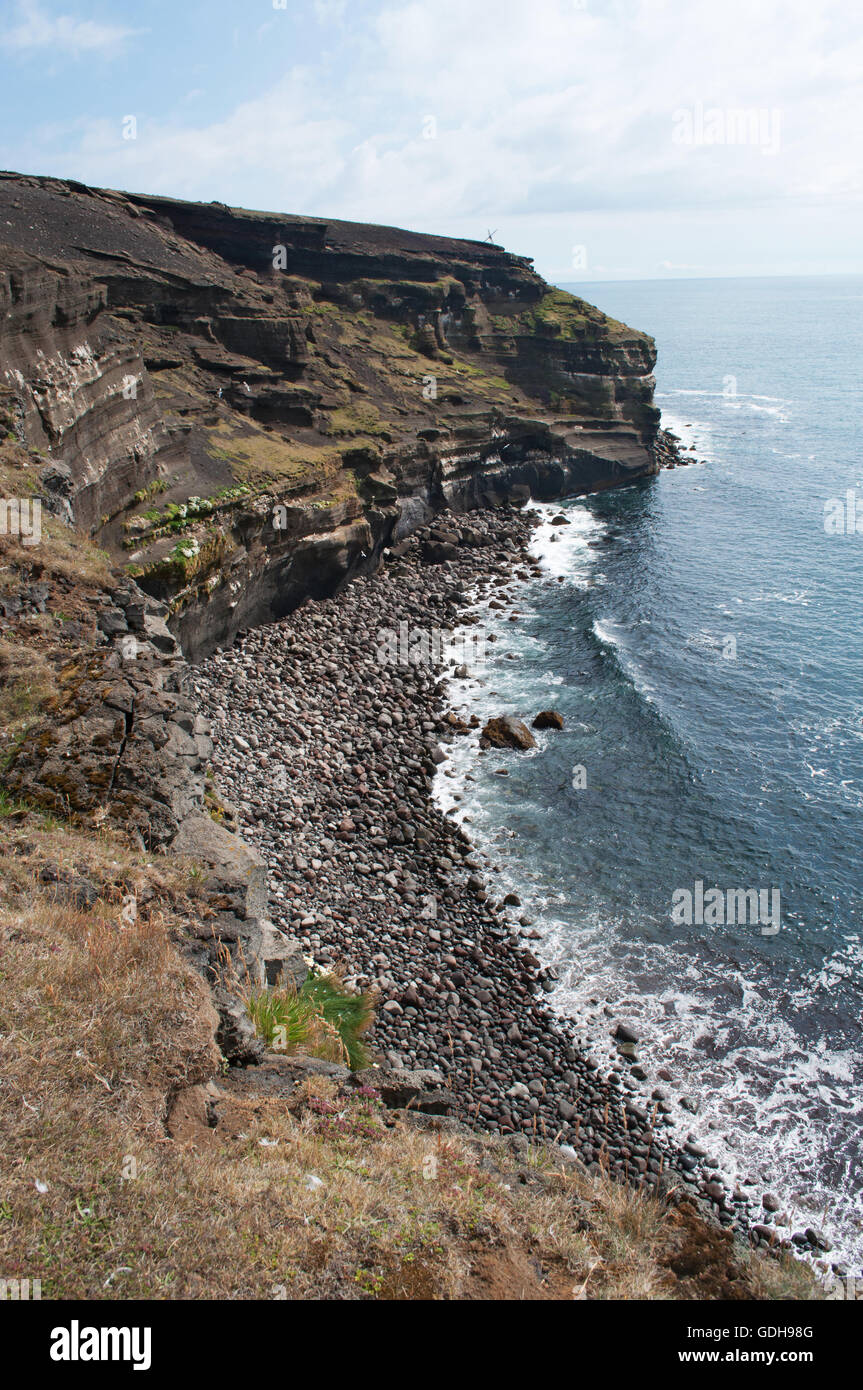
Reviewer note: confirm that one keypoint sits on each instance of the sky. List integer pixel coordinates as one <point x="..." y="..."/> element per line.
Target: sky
<point x="607" y="139"/>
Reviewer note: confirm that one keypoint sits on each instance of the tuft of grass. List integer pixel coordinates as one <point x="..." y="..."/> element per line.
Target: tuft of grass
<point x="26" y="684"/>
<point x="151" y="490"/>
<point x="351" y="1015"/>
<point x="281" y="1018"/>
<point x="322" y="1018"/>
<point x="9" y="806"/>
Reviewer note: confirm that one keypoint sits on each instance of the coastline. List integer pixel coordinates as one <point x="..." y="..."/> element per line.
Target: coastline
<point x="762" y="1202"/>
<point x="318" y="738"/>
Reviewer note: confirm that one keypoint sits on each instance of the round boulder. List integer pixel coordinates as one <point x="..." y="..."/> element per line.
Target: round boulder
<point x="507" y="732"/>
<point x="548" y="719"/>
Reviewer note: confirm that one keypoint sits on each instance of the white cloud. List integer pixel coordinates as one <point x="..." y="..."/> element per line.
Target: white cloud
<point x="547" y="117"/>
<point x="64" y="34"/>
<point x="278" y="152"/>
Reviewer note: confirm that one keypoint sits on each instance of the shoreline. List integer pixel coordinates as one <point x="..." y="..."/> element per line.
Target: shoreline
<point x="331" y="766"/>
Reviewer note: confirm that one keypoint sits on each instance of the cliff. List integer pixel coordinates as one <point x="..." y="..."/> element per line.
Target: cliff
<point x="224" y="413"/>
<point x="244" y="408"/>
<point x="241" y="410"/>
<point x="135" y="1163"/>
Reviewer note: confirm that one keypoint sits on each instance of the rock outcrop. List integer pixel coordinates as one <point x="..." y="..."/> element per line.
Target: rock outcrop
<point x="122" y="740"/>
<point x="548" y="719"/>
<point x="246" y="408"/>
<point x="507" y="732"/>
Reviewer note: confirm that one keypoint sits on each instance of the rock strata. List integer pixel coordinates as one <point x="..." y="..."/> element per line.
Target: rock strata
<point x="249" y="407"/>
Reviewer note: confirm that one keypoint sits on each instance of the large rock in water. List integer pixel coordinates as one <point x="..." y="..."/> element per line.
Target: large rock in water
<point x="548" y="719"/>
<point x="507" y="732"/>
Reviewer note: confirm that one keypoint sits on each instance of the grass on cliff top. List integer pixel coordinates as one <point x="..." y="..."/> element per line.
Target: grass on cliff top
<point x="568" y="317"/>
<point x="322" y="1019"/>
<point x="114" y="1185"/>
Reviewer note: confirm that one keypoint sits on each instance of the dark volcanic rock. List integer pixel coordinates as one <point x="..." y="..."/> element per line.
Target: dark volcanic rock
<point x="197" y="356"/>
<point x="507" y="732"/>
<point x="548" y="719"/>
<point x="328" y="755"/>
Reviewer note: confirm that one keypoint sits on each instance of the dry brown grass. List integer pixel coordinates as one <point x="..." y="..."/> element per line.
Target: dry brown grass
<point x="114" y="1185"/>
<point x="27" y="682"/>
<point x="62" y="553"/>
<point x="105" y="1035"/>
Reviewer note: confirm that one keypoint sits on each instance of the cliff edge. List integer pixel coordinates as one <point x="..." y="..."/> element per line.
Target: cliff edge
<point x="246" y="407"/>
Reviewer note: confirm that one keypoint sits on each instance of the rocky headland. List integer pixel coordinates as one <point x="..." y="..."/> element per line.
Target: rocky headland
<point x="257" y="441"/>
<point x="243" y="411"/>
<point x="189" y="368"/>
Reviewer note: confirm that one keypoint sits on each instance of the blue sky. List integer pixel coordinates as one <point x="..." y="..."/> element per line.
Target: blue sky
<point x="605" y="138"/>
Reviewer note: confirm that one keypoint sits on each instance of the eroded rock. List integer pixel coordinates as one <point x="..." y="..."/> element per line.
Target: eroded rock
<point x="507" y="732"/>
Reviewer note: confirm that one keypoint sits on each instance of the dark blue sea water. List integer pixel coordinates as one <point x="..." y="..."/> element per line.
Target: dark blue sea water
<point x="705" y="650"/>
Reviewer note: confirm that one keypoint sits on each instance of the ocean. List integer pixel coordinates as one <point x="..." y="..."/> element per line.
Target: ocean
<point x="700" y="634"/>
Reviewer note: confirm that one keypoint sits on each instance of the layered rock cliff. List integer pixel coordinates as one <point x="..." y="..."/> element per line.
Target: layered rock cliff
<point x="224" y="413"/>
<point x="244" y="408"/>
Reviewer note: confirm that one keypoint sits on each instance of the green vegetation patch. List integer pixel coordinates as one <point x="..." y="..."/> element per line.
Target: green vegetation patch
<point x="189" y="558"/>
<point x="322" y="1019"/>
<point x="178" y="516"/>
<point x="260" y="458"/>
<point x="559" y="313"/>
<point x="566" y="316"/>
<point x="362" y="418"/>
<point x="416" y="294"/>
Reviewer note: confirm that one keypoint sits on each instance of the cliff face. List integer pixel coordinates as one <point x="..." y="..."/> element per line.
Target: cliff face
<point x="244" y="408"/>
